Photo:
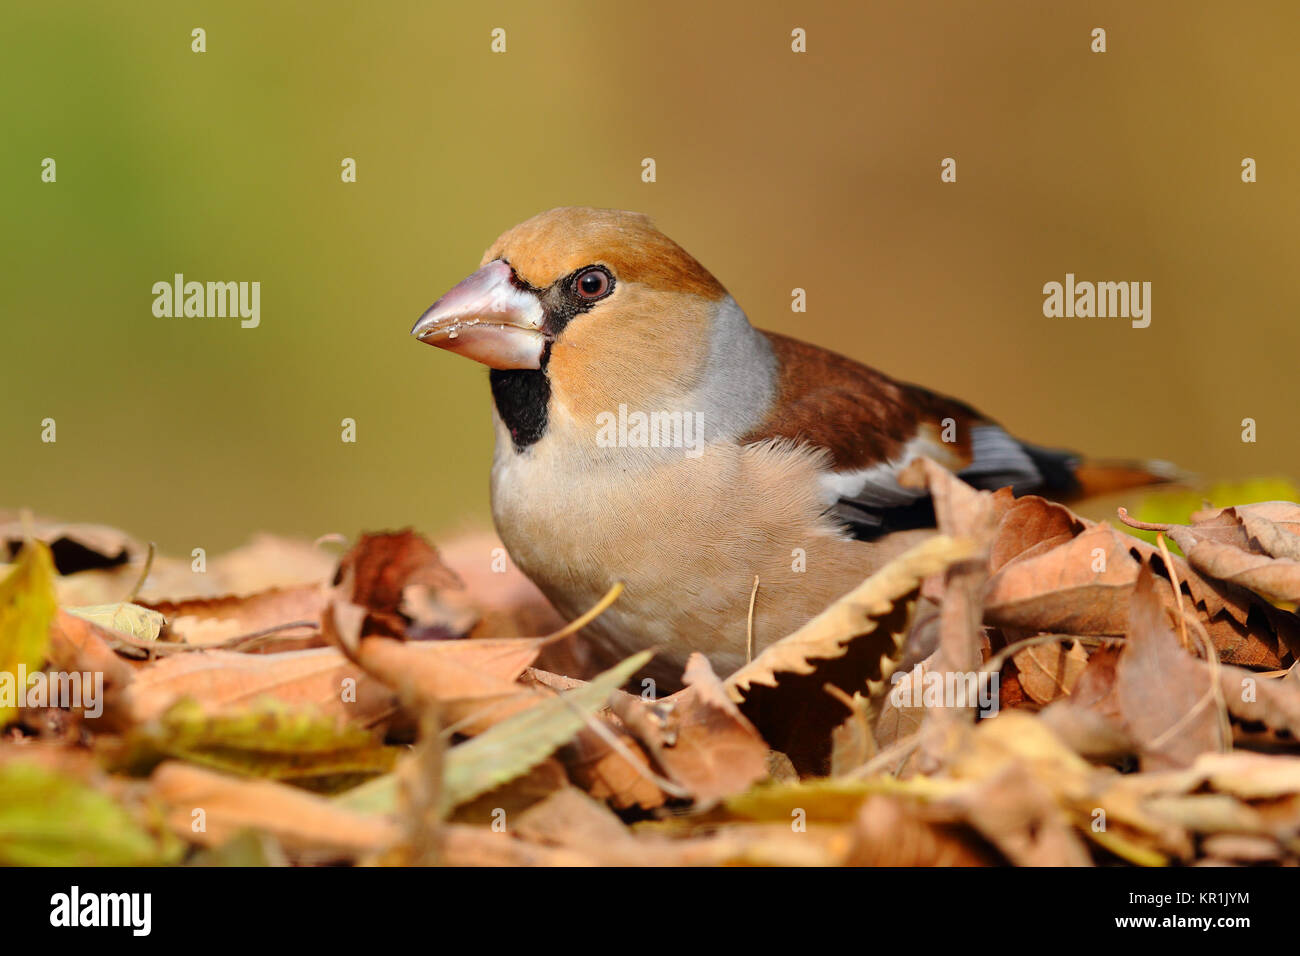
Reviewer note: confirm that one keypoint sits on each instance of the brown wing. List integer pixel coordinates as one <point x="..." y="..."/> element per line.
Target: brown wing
<point x="872" y="426"/>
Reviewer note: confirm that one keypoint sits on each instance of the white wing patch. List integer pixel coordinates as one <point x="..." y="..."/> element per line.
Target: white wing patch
<point x="997" y="460"/>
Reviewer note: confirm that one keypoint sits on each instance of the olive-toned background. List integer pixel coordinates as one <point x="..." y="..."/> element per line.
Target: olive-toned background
<point x="776" y="170"/>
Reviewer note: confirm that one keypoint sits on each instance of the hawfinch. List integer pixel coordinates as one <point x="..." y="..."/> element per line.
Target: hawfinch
<point x="647" y="433"/>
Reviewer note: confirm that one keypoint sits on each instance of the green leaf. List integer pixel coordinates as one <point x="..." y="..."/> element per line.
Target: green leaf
<point x="506" y="750"/>
<point x="27" y="606"/>
<point x="131" y="619"/>
<point x="265" y="739"/>
<point x="50" y="818"/>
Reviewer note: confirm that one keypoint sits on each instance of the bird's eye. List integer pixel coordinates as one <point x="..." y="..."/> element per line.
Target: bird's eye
<point x="592" y="283"/>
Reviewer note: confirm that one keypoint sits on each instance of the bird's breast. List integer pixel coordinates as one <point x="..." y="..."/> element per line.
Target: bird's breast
<point x="685" y="535"/>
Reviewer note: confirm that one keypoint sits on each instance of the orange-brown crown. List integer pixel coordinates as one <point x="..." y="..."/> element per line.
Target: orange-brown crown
<point x="555" y="243"/>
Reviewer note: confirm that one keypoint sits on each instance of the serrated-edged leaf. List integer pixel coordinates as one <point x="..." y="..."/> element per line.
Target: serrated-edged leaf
<point x="519" y="743"/>
<point x="51" y="818"/>
<point x="828" y="634"/>
<point x="508" y="749"/>
<point x="265" y="738"/>
<point x="131" y="619"/>
<point x="27" y="606"/>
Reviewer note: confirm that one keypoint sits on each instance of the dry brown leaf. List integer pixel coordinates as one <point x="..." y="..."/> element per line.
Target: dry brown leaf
<point x="852" y="742"/>
<point x="1031" y="522"/>
<point x="1241" y="848"/>
<point x="1269" y="526"/>
<point x="890" y="831"/>
<point x="464" y="845"/>
<point x="202" y="621"/>
<point x="1249" y="776"/>
<point x="570" y="818"/>
<point x="966" y="514"/>
<point x="1079" y="587"/>
<point x="827" y="635"/>
<point x="396" y="576"/>
<point x="1019" y="813"/>
<point x="1274" y="702"/>
<point x="1236" y="564"/>
<point x="1089" y="720"/>
<point x="1205" y="813"/>
<point x="221" y="679"/>
<point x="78" y="646"/>
<point x="1275" y="579"/>
<point x="699" y="737"/>
<point x="1274" y="525"/>
<point x="1049" y="671"/>
<point x="899" y="717"/>
<point x="474" y="682"/>
<point x="623" y="775"/>
<point x="1164" y="693"/>
<point x="606" y="774"/>
<point x="210" y="808"/>
<point x="857" y="641"/>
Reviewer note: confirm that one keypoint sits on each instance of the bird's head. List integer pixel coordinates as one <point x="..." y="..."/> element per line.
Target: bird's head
<point x="599" y="301"/>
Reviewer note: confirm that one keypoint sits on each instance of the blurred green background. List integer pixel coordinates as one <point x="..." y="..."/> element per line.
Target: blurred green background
<point x="776" y="170"/>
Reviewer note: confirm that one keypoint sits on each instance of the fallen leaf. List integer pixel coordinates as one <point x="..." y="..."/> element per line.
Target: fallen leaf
<point x="378" y="574"/>
<point x="475" y="682"/>
<point x="1253" y="697"/>
<point x="1049" y="671"/>
<point x="52" y="818"/>
<point x="855" y="642"/>
<point x="226" y="679"/>
<point x="890" y="831"/>
<point x="1079" y="587"/>
<point x="501" y="807"/>
<point x="26" y="609"/>
<point x="1164" y="694"/>
<point x="966" y="514"/>
<point x="133" y="620"/>
<point x="700" y="738"/>
<point x="1274" y="579"/>
<point x="508" y="749"/>
<point x="227" y="806"/>
<point x="265" y="738"/>
<point x="856" y="614"/>
<point x="79" y="646"/>
<point x="607" y="774"/>
<point x="1031" y="522"/>
<point x="203" y="621"/>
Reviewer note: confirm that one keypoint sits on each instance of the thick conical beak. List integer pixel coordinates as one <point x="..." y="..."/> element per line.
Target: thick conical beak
<point x="488" y="318"/>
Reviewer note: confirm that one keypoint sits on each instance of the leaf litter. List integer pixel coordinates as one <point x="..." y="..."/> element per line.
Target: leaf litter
<point x="393" y="706"/>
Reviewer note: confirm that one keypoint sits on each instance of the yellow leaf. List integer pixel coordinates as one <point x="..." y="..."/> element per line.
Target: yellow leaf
<point x="51" y="818"/>
<point x="27" y="606"/>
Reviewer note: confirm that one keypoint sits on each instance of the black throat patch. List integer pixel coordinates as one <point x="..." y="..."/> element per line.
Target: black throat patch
<point x="521" y="396"/>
